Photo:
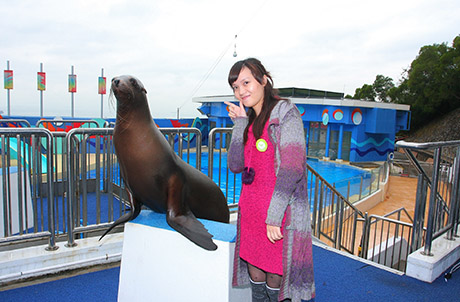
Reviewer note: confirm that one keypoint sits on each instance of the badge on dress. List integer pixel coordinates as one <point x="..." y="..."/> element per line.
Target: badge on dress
<point x="261" y="145"/>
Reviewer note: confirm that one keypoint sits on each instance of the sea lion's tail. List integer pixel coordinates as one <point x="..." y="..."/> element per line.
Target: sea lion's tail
<point x="133" y="213"/>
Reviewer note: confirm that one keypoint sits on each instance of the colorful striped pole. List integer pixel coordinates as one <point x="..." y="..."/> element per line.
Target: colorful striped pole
<point x="8" y="77"/>
<point x="102" y="90"/>
<point x="72" y="89"/>
<point x="41" y="86"/>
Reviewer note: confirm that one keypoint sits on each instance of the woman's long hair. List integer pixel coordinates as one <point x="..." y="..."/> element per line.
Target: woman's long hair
<point x="270" y="97"/>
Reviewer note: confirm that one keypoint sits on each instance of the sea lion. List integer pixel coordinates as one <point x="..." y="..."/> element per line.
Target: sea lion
<point x="155" y="176"/>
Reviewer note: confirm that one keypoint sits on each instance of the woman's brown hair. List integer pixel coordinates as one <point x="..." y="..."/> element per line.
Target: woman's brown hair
<point x="270" y="97"/>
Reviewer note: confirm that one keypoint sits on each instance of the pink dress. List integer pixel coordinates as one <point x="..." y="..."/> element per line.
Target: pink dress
<point x="255" y="248"/>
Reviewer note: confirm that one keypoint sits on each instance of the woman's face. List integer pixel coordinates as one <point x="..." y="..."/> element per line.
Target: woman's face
<point x="248" y="90"/>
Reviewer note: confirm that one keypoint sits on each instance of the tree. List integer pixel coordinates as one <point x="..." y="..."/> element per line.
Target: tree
<point x="431" y="85"/>
<point x="382" y="86"/>
<point x="365" y="93"/>
<point x="377" y="91"/>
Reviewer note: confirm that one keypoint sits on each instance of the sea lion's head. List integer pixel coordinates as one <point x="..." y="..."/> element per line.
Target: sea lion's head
<point x="128" y="89"/>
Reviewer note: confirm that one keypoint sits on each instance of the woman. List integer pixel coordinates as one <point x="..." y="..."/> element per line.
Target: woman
<point x="273" y="251"/>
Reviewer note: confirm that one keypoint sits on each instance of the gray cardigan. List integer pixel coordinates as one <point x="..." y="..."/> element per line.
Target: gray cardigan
<point x="289" y="199"/>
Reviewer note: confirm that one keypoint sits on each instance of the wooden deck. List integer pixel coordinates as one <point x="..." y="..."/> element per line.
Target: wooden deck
<point x="401" y="193"/>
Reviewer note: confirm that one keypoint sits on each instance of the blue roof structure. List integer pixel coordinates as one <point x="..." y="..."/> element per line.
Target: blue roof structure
<point x="335" y="127"/>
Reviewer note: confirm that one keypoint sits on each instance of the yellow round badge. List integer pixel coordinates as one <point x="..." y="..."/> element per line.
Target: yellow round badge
<point x="261" y="145"/>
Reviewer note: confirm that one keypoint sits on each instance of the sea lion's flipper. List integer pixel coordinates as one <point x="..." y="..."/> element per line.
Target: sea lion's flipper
<point x="180" y="217"/>
<point x="192" y="229"/>
<point x="133" y="213"/>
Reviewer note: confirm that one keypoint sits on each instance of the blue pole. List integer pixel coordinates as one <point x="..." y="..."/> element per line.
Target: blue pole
<point x="218" y="125"/>
<point x="224" y="143"/>
<point x="307" y="138"/>
<point x="339" y="152"/>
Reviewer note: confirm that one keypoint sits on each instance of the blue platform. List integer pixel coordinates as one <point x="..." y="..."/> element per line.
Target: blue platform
<point x="220" y="231"/>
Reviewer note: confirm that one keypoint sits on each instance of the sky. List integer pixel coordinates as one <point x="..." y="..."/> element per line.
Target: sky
<point x="184" y="49"/>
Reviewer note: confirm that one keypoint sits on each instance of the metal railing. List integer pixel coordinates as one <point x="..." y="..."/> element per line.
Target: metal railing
<point x="229" y="182"/>
<point x="27" y="185"/>
<point x="74" y="178"/>
<point x="356" y="188"/>
<point x="337" y="222"/>
<point x="443" y="202"/>
<point x="93" y="182"/>
<point x="82" y="192"/>
<point x="386" y="239"/>
<point x="72" y="123"/>
<point x="333" y="216"/>
<point x="185" y="140"/>
<point x="335" y="219"/>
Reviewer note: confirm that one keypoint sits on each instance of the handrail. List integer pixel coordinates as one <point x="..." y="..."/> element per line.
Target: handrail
<point x="430" y="145"/>
<point x="188" y="131"/>
<point x="72" y="121"/>
<point x="24" y="121"/>
<point x="334" y="216"/>
<point x="386" y="218"/>
<point x="333" y="189"/>
<point x="389" y="239"/>
<point x="222" y="179"/>
<point x="49" y="176"/>
<point x="212" y="145"/>
<point x="70" y="169"/>
<point x="443" y="211"/>
<point x="331" y="220"/>
<point x="398" y="211"/>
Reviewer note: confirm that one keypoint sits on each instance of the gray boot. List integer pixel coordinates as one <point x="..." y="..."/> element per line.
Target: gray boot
<point x="259" y="291"/>
<point x="272" y="294"/>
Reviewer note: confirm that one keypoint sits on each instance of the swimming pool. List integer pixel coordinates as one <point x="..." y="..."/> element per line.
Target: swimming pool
<point x="348" y="180"/>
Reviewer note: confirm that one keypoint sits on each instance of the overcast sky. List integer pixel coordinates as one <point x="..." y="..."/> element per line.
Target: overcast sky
<point x="173" y="45"/>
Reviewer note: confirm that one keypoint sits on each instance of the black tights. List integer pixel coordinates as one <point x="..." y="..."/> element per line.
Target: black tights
<point x="258" y="275"/>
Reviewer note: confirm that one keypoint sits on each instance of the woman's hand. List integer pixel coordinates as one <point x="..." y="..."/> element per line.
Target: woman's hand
<point x="235" y="111"/>
<point x="274" y="233"/>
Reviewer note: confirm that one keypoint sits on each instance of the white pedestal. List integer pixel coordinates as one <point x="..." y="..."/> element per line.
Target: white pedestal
<point x="159" y="264"/>
<point x="429" y="268"/>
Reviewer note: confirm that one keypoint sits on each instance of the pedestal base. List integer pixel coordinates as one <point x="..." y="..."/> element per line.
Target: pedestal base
<point x="159" y="264"/>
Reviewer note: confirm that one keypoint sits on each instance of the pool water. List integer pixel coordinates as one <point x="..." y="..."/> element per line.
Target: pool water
<point x="346" y="179"/>
<point x="334" y="172"/>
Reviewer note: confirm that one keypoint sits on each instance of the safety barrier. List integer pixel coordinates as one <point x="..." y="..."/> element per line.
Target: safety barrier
<point x="334" y="218"/>
<point x="186" y="140"/>
<point x="93" y="183"/>
<point x="77" y="190"/>
<point x="441" y="208"/>
<point x="27" y="186"/>
<point x="386" y="239"/>
<point x="60" y="123"/>
<point x="369" y="183"/>
<point x="219" y="139"/>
